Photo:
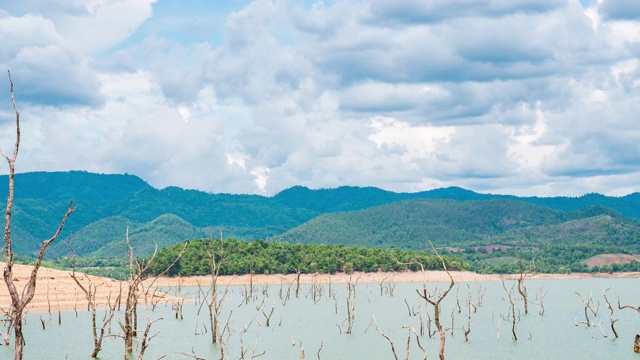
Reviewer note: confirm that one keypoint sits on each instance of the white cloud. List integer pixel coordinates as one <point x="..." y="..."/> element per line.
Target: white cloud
<point x="105" y="23"/>
<point x="418" y="142"/>
<point x="45" y="68"/>
<point x="530" y="97"/>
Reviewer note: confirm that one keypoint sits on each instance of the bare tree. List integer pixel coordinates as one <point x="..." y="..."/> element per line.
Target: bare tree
<point x="512" y="311"/>
<point x="138" y="272"/>
<point x="268" y="317"/>
<point x="146" y="336"/>
<point x="541" y="298"/>
<point x="424" y="351"/>
<point x="636" y="308"/>
<point x="636" y="341"/>
<point x="298" y="272"/>
<point x="393" y="348"/>
<point x="435" y="302"/>
<point x="90" y="294"/>
<point x="351" y="304"/>
<point x="470" y="306"/>
<point x="214" y="304"/>
<point x="521" y="288"/>
<point x="19" y="300"/>
<point x="589" y="306"/>
<point x="612" y="320"/>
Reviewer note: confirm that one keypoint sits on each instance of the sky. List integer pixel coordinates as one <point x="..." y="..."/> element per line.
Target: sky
<point x="523" y="97"/>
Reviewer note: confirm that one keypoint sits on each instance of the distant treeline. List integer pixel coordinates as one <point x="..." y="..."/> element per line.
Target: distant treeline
<point x="237" y="257"/>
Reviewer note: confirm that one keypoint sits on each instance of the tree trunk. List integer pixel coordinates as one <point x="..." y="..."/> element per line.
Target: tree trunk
<point x="19" y="337"/>
<point x="443" y="337"/>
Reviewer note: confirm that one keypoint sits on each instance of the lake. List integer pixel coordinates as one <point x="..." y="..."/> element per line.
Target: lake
<point x="319" y="326"/>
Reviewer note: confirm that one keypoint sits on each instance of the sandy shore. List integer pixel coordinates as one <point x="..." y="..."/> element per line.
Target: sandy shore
<point x="56" y="289"/>
<point x="398" y="277"/>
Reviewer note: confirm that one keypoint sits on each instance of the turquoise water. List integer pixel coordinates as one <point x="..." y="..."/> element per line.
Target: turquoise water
<point x="320" y="324"/>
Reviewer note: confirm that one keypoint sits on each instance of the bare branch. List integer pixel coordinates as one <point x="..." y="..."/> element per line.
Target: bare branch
<point x="20" y="301"/>
<point x="393" y="349"/>
<point x="436" y="302"/>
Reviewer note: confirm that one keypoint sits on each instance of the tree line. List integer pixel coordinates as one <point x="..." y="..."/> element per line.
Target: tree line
<point x="237" y="257"/>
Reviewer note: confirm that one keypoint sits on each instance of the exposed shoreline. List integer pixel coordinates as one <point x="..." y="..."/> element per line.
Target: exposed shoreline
<point x="56" y="290"/>
<point x="376" y="277"/>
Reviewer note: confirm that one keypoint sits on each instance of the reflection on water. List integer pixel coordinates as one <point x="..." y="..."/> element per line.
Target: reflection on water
<point x="318" y="325"/>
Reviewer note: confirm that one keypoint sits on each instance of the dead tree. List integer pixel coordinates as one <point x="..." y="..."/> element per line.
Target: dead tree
<point x="20" y="299"/>
<point x="612" y="320"/>
<point x="298" y="272"/>
<point x="470" y="305"/>
<point x="214" y="304"/>
<point x="387" y="288"/>
<point x="136" y="276"/>
<point x="90" y="294"/>
<point x="268" y="317"/>
<point x="636" y="308"/>
<point x="512" y="310"/>
<point x="9" y="321"/>
<point x="435" y="302"/>
<point x="179" y="301"/>
<point x="424" y="351"/>
<point x="244" y="351"/>
<point x="138" y="272"/>
<point x="521" y="288"/>
<point x="588" y="306"/>
<point x="541" y="303"/>
<point x="393" y="348"/>
<point x="351" y="304"/>
<point x="636" y="342"/>
<point x="146" y="337"/>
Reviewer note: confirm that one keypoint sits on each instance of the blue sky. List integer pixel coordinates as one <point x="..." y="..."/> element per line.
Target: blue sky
<point x="525" y="97"/>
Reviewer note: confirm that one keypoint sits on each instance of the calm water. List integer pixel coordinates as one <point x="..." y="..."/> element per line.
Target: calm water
<point x="300" y="323"/>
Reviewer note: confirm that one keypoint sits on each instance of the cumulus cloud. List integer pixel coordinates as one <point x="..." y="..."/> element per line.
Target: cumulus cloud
<point x="47" y="70"/>
<point x="527" y="97"/>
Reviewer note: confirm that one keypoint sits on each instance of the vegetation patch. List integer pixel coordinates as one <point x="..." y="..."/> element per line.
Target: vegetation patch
<point x="237" y="257"/>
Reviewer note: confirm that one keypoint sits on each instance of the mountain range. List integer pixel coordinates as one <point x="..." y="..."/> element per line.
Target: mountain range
<point x="108" y="205"/>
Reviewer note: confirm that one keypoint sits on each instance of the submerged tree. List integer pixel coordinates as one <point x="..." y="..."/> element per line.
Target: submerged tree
<point x="137" y="290"/>
<point x="214" y="304"/>
<point x="20" y="299"/>
<point x="435" y="301"/>
<point x="521" y="288"/>
<point x="89" y="288"/>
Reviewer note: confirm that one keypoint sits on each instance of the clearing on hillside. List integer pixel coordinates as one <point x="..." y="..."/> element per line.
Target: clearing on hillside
<point x="608" y="259"/>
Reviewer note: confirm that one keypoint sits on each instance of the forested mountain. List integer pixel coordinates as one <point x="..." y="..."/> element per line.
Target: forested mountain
<point x="108" y="204"/>
<point x="412" y="224"/>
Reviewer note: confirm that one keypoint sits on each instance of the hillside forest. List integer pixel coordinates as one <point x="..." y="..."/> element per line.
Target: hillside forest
<point x="323" y="230"/>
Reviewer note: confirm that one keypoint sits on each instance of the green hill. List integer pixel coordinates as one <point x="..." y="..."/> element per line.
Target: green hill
<point x="166" y="230"/>
<point x="595" y="230"/>
<point x="411" y="224"/>
<point x="107" y="204"/>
